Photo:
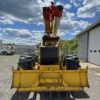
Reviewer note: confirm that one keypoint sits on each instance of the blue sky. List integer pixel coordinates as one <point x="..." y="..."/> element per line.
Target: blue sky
<point x="21" y="21"/>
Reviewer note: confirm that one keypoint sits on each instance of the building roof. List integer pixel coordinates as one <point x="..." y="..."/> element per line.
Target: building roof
<point x="97" y="23"/>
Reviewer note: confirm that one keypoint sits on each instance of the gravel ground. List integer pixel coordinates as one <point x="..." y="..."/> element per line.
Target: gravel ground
<point x="6" y="93"/>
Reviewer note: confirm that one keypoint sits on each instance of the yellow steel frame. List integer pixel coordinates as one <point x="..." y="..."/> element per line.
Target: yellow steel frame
<point x="49" y="80"/>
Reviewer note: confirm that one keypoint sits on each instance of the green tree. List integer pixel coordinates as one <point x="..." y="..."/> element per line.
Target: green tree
<point x="70" y="46"/>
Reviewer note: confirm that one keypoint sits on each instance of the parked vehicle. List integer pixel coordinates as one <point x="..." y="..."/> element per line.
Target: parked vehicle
<point x="7" y="49"/>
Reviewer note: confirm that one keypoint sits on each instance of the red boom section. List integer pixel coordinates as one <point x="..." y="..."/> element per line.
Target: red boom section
<point x="50" y="14"/>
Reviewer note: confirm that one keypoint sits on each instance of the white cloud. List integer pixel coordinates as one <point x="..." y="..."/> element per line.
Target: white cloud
<point x="67" y="6"/>
<point x="13" y="33"/>
<point x="46" y="3"/>
<point x="22" y="36"/>
<point x="27" y="11"/>
<point x="59" y="3"/>
<point x="71" y="24"/>
<point x="75" y="32"/>
<point x="30" y="11"/>
<point x="89" y="9"/>
<point x="95" y="2"/>
<point x="69" y="15"/>
<point x="76" y="3"/>
<point x="6" y="20"/>
<point x="61" y="33"/>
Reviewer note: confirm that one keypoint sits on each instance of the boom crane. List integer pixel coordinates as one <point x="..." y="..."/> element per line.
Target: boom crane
<point x="52" y="17"/>
<point x="49" y="72"/>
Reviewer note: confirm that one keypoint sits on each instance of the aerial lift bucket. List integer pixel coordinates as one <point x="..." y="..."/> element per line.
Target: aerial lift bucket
<point x="53" y="80"/>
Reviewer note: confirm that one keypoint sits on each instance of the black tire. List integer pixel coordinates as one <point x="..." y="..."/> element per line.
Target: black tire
<point x="26" y="63"/>
<point x="64" y="57"/>
<point x="4" y="53"/>
<point x="72" y="64"/>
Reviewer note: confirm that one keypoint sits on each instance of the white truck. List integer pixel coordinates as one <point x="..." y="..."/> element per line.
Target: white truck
<point x="7" y="49"/>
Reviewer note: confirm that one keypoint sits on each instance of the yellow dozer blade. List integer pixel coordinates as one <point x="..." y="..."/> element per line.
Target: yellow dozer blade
<point x="39" y="81"/>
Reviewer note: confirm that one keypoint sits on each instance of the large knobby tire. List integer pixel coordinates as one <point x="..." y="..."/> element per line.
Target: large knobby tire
<point x="72" y="63"/>
<point x="4" y="53"/>
<point x="26" y="63"/>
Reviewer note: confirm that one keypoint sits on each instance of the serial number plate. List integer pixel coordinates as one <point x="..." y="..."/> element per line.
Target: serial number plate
<point x="50" y="80"/>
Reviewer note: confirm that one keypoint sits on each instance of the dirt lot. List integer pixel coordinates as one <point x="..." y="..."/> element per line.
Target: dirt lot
<point x="6" y="63"/>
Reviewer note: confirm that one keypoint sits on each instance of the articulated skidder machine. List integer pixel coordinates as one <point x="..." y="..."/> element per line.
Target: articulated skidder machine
<point x="49" y="71"/>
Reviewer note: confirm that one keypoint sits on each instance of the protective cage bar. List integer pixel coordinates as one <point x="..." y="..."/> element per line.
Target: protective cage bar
<point x="60" y="80"/>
